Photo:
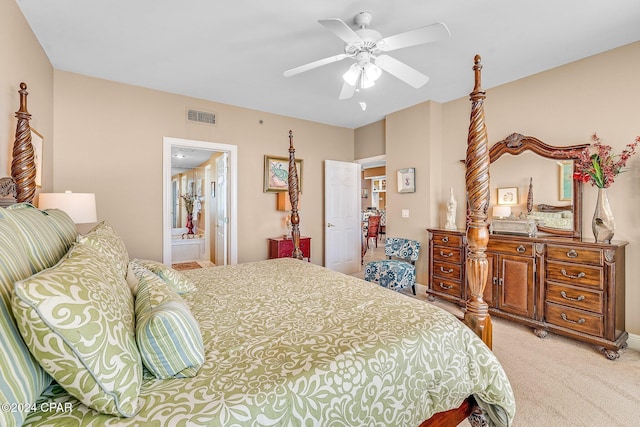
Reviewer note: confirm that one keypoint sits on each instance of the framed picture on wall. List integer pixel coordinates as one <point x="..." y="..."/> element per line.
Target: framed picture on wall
<point x="276" y="174"/>
<point x="508" y="196"/>
<point x="36" y="142"/>
<point x="406" y="180"/>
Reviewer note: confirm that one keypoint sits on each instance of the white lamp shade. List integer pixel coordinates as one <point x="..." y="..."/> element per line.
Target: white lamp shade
<point x="501" y="211"/>
<point x="81" y="207"/>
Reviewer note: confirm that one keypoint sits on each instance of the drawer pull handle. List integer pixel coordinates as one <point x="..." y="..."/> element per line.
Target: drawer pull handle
<point x="572" y="254"/>
<point x="445" y="287"/>
<point x="495" y="280"/>
<point x="446" y="271"/>
<point x="445" y="239"/>
<point x="564" y="295"/>
<point x="566" y="319"/>
<point x="570" y="276"/>
<point x="450" y="254"/>
<point x="500" y="281"/>
<point x="521" y="249"/>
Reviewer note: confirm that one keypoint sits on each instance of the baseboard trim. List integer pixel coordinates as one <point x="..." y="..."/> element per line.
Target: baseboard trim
<point x="634" y="341"/>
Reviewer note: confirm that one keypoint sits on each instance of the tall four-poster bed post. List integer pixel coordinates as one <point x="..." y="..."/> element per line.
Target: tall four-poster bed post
<point x="477" y="183"/>
<point x="23" y="166"/>
<point x="293" y="198"/>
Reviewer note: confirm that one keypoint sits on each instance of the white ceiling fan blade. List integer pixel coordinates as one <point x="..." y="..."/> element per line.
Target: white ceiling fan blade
<point x="347" y="91"/>
<point x="314" y="64"/>
<point x="430" y="33"/>
<point x="340" y="29"/>
<point x="409" y="75"/>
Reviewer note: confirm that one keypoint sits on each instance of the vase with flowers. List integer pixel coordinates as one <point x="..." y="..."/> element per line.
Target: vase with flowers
<point x="188" y="201"/>
<point x="598" y="166"/>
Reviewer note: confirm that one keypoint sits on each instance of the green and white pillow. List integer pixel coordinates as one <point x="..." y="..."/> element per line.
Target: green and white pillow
<point x="105" y="238"/>
<point x="177" y="281"/>
<point x="23" y="380"/>
<point x="42" y="243"/>
<point x="77" y="319"/>
<point x="168" y="336"/>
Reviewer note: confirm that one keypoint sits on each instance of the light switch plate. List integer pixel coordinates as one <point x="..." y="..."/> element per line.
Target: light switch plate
<point x="405" y="213"/>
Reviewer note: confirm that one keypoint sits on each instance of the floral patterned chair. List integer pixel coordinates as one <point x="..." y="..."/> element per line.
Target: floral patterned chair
<point x="398" y="271"/>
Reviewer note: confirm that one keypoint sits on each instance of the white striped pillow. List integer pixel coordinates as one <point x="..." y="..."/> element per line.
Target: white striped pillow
<point x="167" y="334"/>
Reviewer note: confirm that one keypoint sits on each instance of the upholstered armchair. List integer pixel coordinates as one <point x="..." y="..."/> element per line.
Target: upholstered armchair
<point x="398" y="271"/>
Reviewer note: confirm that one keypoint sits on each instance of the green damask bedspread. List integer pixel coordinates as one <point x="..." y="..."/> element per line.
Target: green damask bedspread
<point x="288" y="343"/>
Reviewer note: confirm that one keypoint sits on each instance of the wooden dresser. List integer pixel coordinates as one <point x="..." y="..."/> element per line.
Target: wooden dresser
<point x="566" y="286"/>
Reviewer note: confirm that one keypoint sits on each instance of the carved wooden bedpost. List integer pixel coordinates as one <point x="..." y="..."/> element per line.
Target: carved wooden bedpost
<point x="23" y="166"/>
<point x="293" y="198"/>
<point x="477" y="181"/>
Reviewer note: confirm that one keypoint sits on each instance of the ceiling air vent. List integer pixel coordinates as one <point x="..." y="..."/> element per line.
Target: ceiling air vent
<point x="197" y="116"/>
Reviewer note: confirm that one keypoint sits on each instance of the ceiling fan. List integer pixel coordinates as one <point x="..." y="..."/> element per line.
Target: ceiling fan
<point x="364" y="45"/>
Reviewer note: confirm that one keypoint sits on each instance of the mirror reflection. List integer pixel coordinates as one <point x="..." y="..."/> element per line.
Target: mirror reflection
<point x="530" y="186"/>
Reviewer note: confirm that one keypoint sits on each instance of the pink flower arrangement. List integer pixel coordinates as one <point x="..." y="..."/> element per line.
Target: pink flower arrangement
<point x="601" y="167"/>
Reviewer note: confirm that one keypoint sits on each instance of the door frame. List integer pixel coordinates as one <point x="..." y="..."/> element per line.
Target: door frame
<point x="232" y="150"/>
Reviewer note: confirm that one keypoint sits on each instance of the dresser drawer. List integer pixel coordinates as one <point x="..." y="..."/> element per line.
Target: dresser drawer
<point x="570" y="253"/>
<point x="574" y="319"/>
<point x="445" y="239"/>
<point x="447" y="271"/>
<point x="575" y="274"/>
<point x="511" y="248"/>
<point x="581" y="298"/>
<point x="451" y="287"/>
<point x="450" y="255"/>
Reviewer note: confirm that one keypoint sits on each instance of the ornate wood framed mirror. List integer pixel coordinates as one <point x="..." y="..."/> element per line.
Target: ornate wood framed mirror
<point x="544" y="175"/>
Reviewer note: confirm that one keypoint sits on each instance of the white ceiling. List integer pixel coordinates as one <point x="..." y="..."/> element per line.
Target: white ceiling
<point x="235" y="51"/>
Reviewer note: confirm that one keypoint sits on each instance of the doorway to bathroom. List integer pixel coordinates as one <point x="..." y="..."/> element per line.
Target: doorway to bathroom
<point x="199" y="202"/>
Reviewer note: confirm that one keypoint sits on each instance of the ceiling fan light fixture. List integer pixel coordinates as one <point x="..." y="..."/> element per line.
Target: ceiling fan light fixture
<point x="352" y="75"/>
<point x="370" y="73"/>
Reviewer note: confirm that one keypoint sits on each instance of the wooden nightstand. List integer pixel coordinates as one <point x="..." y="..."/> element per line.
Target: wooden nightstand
<point x="282" y="247"/>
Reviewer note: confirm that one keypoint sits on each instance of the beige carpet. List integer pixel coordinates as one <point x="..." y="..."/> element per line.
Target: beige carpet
<point x="559" y="382"/>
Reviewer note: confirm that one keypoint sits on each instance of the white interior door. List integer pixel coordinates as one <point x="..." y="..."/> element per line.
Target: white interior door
<point x="343" y="226"/>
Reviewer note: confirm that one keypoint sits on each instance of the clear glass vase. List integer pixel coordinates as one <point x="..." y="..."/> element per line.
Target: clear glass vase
<point x="603" y="225"/>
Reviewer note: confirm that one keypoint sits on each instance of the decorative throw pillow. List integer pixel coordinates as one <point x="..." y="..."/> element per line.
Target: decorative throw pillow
<point x="168" y="336"/>
<point x="42" y="243"/>
<point x="105" y="238"/>
<point x="77" y="319"/>
<point x="23" y="380"/>
<point x="132" y="278"/>
<point x="177" y="281"/>
<point x="63" y="224"/>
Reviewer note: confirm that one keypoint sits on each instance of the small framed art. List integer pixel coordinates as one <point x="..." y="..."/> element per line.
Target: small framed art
<point x="406" y="180"/>
<point x="508" y="196"/>
<point x="36" y="143"/>
<point x="276" y="174"/>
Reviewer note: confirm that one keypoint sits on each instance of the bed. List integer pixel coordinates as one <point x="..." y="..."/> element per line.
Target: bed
<point x="282" y="342"/>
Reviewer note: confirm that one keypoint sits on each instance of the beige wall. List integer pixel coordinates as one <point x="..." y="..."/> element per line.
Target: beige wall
<point x="370" y="140"/>
<point x="110" y="142"/>
<point x="23" y="60"/>
<point x="413" y="138"/>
